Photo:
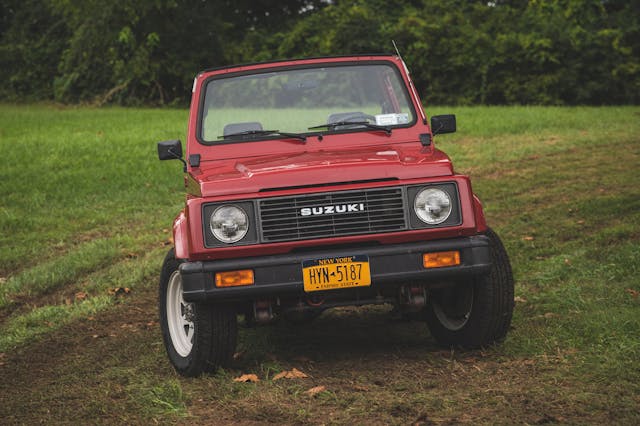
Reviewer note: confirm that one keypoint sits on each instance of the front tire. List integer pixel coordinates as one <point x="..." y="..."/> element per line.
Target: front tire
<point x="476" y="313"/>
<point x="198" y="338"/>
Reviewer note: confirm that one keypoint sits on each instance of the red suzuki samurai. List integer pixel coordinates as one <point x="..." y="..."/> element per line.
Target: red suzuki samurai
<point x="314" y="184"/>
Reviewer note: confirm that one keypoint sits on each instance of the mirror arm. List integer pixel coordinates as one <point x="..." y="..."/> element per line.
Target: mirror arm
<point x="179" y="157"/>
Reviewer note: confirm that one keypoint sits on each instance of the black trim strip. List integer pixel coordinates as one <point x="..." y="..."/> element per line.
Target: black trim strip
<point x="279" y="61"/>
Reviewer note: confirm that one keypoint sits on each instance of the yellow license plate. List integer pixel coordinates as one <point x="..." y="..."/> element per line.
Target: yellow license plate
<point x="336" y="272"/>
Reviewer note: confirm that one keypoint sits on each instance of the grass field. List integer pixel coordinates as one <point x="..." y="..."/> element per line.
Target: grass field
<point x="86" y="210"/>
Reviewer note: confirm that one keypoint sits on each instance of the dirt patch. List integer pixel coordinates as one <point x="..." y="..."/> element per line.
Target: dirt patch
<point x="370" y="367"/>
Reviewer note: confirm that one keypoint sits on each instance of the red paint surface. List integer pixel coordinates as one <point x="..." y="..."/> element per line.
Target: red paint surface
<point x="243" y="171"/>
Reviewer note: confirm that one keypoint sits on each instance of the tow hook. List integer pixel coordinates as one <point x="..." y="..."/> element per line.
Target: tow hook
<point x="262" y="311"/>
<point x="412" y="299"/>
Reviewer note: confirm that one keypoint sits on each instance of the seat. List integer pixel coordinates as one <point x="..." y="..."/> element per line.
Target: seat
<point x="233" y="128"/>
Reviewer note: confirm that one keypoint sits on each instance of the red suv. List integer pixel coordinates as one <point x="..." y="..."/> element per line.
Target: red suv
<point x="314" y="184"/>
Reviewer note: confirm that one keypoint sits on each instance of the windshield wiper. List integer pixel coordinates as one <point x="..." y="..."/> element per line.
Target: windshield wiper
<point x="332" y="126"/>
<point x="298" y="136"/>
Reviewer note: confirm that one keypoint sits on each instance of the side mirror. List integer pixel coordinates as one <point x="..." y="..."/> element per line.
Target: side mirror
<point x="170" y="150"/>
<point x="443" y="124"/>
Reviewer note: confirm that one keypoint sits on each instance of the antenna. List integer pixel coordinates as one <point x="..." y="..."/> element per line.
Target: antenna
<point x="413" y="89"/>
<point x="397" y="51"/>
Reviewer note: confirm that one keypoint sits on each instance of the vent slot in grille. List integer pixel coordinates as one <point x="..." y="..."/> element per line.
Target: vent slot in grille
<point x="354" y="212"/>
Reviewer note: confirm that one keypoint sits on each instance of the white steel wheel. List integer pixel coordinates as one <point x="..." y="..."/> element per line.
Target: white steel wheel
<point x="198" y="337"/>
<point x="179" y="316"/>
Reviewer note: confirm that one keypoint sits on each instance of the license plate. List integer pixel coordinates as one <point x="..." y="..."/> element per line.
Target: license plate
<point x="336" y="272"/>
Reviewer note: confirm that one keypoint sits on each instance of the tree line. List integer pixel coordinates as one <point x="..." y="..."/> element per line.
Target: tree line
<point x="132" y="52"/>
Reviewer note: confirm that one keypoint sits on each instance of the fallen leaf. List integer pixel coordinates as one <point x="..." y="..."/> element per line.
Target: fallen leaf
<point x="293" y="374"/>
<point x="81" y="295"/>
<point x="247" y="378"/>
<point x="567" y="262"/>
<point x="550" y="315"/>
<point x="580" y="222"/>
<point x="315" y="390"/>
<point x="519" y="299"/>
<point x="119" y="291"/>
<point x="633" y="293"/>
<point x="361" y="388"/>
<point x="528" y="238"/>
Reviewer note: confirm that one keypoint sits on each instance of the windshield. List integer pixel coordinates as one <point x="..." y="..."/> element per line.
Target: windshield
<point x="294" y="100"/>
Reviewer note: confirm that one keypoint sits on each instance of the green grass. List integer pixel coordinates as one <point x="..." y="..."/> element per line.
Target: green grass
<point x="87" y="207"/>
<point x="71" y="175"/>
<point x="24" y="328"/>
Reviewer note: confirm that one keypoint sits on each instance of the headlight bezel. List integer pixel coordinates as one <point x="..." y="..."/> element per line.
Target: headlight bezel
<point x="450" y="189"/>
<point x="249" y="237"/>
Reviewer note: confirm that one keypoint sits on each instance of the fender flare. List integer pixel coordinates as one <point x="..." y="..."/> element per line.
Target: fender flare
<point x="181" y="236"/>
<point x="481" y="222"/>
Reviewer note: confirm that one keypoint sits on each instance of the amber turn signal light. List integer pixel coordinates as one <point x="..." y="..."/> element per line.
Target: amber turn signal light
<point x="234" y="278"/>
<point x="441" y="259"/>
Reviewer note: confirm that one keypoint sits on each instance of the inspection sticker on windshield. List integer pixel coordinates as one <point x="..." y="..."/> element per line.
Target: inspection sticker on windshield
<point x="391" y="119"/>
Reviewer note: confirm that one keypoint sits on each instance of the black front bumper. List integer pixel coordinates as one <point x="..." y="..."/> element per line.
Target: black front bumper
<point x="391" y="265"/>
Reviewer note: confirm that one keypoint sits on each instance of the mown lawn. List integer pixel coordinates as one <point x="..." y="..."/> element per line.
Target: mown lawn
<point x="85" y="214"/>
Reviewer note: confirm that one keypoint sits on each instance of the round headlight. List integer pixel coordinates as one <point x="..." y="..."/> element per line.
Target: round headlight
<point x="229" y="224"/>
<point x="432" y="205"/>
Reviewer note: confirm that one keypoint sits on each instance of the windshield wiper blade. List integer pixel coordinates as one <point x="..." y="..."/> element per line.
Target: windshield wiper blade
<point x="298" y="136"/>
<point x="332" y="126"/>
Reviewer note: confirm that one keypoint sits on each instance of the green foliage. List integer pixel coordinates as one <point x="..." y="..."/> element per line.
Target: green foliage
<point x="463" y="52"/>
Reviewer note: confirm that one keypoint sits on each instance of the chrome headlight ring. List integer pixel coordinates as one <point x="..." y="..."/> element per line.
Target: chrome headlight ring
<point x="432" y="205"/>
<point x="229" y="224"/>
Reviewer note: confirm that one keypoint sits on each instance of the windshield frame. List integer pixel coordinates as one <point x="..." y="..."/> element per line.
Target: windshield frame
<point x="310" y="133"/>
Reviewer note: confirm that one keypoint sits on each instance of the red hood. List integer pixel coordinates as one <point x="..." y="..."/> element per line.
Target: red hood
<point x="252" y="174"/>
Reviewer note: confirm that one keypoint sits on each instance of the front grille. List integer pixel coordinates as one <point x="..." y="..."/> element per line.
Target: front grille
<point x="281" y="218"/>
